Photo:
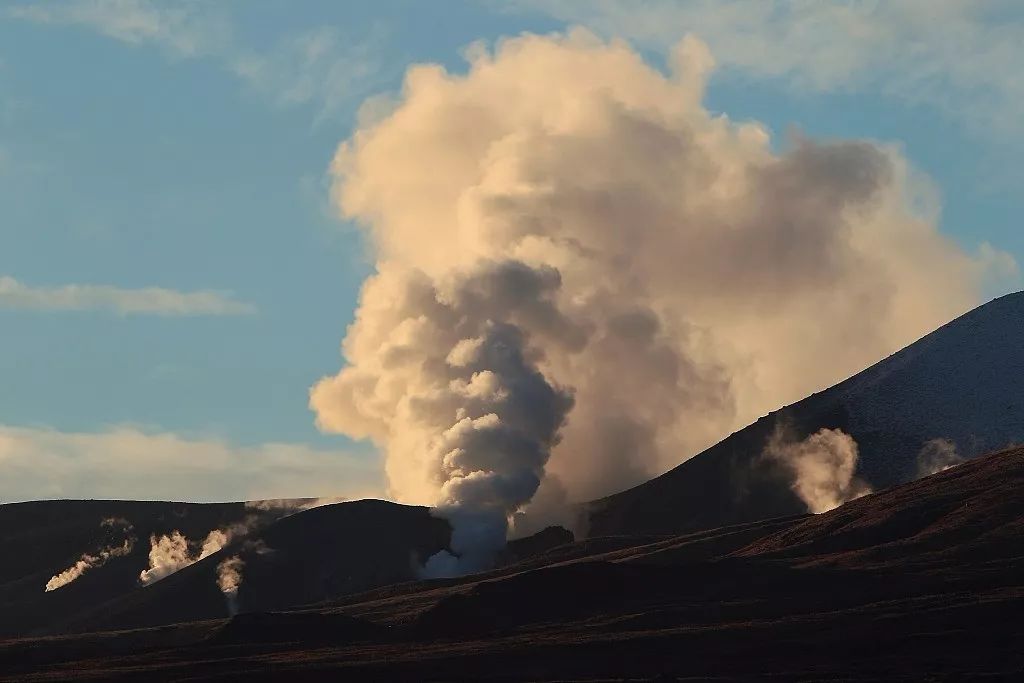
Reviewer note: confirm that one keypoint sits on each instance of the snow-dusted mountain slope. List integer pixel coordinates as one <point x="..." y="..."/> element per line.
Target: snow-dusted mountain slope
<point x="964" y="382"/>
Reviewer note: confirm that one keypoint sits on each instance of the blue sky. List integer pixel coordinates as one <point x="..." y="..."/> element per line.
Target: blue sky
<point x="184" y="146"/>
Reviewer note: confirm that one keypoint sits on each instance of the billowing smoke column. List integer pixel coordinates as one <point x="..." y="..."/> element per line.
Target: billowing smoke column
<point x="87" y="561"/>
<point x="491" y="459"/>
<point x="477" y="415"/>
<point x="584" y="277"/>
<point x="823" y="467"/>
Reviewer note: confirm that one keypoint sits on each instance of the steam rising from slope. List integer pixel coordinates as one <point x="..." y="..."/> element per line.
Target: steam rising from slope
<point x="289" y="506"/>
<point x="584" y="277"/>
<point x="937" y="455"/>
<point x="168" y="554"/>
<point x="823" y="467"/>
<point x="101" y="557"/>
<point x="229" y="578"/>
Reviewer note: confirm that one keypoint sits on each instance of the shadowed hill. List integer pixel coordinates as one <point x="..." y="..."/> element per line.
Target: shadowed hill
<point x="288" y="559"/>
<point x="303" y="557"/>
<point x="966" y="513"/>
<point x="42" y="538"/>
<point x="310" y="556"/>
<point x="910" y="570"/>
<point x="917" y="582"/>
<point x="964" y="382"/>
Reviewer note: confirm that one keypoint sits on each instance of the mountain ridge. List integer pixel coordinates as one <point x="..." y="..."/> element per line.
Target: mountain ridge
<point x="963" y="382"/>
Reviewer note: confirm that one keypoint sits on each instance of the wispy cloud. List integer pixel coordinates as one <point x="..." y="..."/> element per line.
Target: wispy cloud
<point x="177" y="28"/>
<point x="128" y="462"/>
<point x="956" y="55"/>
<point x="322" y="67"/>
<point x="15" y="295"/>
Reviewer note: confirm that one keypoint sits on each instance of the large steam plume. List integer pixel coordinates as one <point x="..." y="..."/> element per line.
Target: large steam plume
<point x="584" y="277"/>
<point x="87" y="561"/>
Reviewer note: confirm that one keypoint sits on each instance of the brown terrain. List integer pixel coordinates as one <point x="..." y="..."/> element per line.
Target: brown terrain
<point x="922" y="581"/>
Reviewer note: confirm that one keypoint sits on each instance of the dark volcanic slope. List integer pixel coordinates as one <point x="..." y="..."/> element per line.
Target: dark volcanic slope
<point x="967" y="515"/>
<point x="964" y="382"/>
<point x="304" y="557"/>
<point x="42" y="538"/>
<point x="920" y="582"/>
<point x="311" y="556"/>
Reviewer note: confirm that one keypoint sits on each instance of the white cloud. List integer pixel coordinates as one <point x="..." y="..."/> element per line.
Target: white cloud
<point x="320" y="67"/>
<point x="144" y="301"/>
<point x="956" y="55"/>
<point x="128" y="462"/>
